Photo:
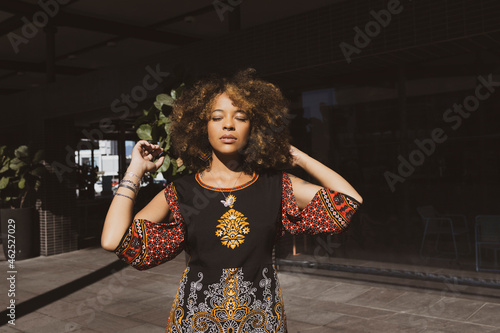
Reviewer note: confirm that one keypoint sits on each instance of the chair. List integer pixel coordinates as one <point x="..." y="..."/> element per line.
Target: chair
<point x="487" y="232"/>
<point x="452" y="225"/>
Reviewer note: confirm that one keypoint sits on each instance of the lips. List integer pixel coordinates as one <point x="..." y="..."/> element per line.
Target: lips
<point x="228" y="138"/>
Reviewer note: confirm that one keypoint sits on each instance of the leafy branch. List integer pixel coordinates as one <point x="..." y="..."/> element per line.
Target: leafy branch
<point x="154" y="126"/>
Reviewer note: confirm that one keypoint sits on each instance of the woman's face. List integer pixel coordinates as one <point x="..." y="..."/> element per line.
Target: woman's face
<point x="228" y="127"/>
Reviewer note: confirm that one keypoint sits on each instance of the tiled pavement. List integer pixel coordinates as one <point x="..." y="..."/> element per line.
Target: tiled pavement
<point x="88" y="291"/>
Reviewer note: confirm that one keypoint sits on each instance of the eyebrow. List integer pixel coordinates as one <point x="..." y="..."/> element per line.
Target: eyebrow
<point x="242" y="111"/>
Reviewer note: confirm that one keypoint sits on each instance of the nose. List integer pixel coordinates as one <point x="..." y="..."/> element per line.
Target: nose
<point x="228" y="124"/>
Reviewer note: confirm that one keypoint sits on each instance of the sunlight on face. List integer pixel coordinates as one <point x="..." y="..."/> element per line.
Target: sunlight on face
<point x="228" y="127"/>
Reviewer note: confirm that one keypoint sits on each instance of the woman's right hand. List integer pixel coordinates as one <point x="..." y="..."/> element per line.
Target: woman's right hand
<point x="143" y="155"/>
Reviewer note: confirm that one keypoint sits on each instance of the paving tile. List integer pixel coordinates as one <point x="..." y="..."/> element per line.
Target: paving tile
<point x="300" y="285"/>
<point x="343" y="292"/>
<point x="34" y="285"/>
<point x="454" y="308"/>
<point x="79" y="296"/>
<point x="162" y="286"/>
<point x="32" y="320"/>
<point x="93" y="256"/>
<point x="353" y="324"/>
<point x="418" y="322"/>
<point x="104" y="322"/>
<point x="161" y="301"/>
<point x="420" y="303"/>
<point x="297" y="327"/>
<point x="143" y="328"/>
<point x="9" y="329"/>
<point x="376" y="297"/>
<point x="125" y="309"/>
<point x="469" y="328"/>
<point x="157" y="317"/>
<point x="293" y="303"/>
<point x="127" y="294"/>
<point x="23" y="295"/>
<point x="312" y="317"/>
<point x="487" y="315"/>
<point x="54" y="325"/>
<point x="59" y="310"/>
<point x="359" y="311"/>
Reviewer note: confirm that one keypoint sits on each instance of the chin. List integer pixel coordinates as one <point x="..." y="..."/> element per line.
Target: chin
<point x="229" y="150"/>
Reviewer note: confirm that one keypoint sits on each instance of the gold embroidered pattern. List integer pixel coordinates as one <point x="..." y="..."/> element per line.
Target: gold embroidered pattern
<point x="231" y="305"/>
<point x="231" y="228"/>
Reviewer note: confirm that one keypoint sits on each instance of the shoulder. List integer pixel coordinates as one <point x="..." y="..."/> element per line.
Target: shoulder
<point x="271" y="176"/>
<point x="180" y="185"/>
<point x="184" y="181"/>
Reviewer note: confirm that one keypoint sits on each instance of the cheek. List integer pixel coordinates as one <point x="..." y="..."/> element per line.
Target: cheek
<point x="210" y="135"/>
<point x="246" y="132"/>
<point x="210" y="130"/>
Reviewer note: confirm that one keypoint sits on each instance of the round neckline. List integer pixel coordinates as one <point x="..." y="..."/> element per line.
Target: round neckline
<point x="226" y="189"/>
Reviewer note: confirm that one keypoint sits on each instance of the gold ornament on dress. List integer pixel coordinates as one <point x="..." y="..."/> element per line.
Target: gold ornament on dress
<point x="232" y="228"/>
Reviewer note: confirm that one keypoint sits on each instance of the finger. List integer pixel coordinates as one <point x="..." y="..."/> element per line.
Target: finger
<point x="157" y="151"/>
<point x="148" y="149"/>
<point x="159" y="163"/>
<point x="142" y="143"/>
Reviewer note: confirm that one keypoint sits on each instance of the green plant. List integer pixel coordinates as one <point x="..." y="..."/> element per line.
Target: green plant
<point x="21" y="173"/>
<point x="154" y="126"/>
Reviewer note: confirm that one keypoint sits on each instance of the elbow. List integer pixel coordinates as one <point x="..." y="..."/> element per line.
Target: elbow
<point x="359" y="199"/>
<point x="107" y="244"/>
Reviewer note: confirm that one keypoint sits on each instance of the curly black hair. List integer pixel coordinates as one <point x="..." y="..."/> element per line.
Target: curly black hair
<point x="268" y="147"/>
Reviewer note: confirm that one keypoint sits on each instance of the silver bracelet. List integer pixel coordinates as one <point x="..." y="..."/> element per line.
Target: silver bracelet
<point x="126" y="196"/>
<point x="129" y="187"/>
<point x="130" y="173"/>
<point x="129" y="182"/>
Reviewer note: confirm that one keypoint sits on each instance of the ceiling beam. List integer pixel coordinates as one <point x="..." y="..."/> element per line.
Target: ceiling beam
<point x="19" y="9"/>
<point x="172" y="20"/>
<point x="181" y="17"/>
<point x="94" y="24"/>
<point x="21" y="66"/>
<point x="8" y="91"/>
<point x="121" y="29"/>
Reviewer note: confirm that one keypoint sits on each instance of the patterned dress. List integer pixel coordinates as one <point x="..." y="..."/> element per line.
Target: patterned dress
<point x="230" y="284"/>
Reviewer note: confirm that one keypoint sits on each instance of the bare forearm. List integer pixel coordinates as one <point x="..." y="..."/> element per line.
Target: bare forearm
<point x="120" y="213"/>
<point x="327" y="177"/>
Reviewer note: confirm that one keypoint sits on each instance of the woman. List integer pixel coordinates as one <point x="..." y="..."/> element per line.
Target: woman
<point x="229" y="213"/>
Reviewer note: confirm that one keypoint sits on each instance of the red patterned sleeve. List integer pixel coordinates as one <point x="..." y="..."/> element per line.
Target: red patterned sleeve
<point x="328" y="212"/>
<point x="147" y="244"/>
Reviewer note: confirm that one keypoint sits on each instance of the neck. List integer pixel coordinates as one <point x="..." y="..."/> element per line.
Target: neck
<point x="227" y="165"/>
